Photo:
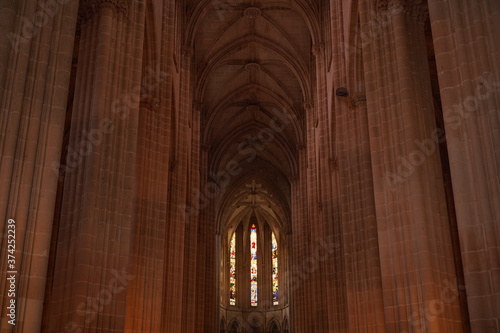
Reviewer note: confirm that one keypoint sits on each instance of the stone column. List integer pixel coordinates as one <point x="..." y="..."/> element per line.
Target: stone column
<point x="359" y="225"/>
<point x="300" y="230"/>
<point x="417" y="268"/>
<point x="179" y="191"/>
<point x="144" y="301"/>
<point x="9" y="38"/>
<point x="195" y="269"/>
<point x="467" y="42"/>
<point x="323" y="230"/>
<point x="92" y="269"/>
<point x="36" y="46"/>
<point x="208" y="251"/>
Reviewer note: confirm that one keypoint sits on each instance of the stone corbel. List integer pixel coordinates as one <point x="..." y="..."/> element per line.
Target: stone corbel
<point x="318" y="49"/>
<point x="356" y="101"/>
<point x="308" y="105"/>
<point x="186" y="51"/>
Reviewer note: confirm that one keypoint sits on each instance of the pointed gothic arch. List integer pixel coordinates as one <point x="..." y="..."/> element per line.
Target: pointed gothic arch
<point x="222" y="325"/>
<point x="274" y="327"/>
<point x="235" y="327"/>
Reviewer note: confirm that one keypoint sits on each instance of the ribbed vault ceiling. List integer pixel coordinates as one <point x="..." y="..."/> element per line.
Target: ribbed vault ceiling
<point x="253" y="70"/>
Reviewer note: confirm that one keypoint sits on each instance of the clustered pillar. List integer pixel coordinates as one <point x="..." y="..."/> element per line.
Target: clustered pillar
<point x="92" y="266"/>
<point x="418" y="277"/>
<point x="35" y="63"/>
<point x="467" y="40"/>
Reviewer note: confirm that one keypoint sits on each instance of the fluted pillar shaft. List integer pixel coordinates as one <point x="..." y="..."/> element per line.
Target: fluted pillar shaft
<point x="300" y="238"/>
<point x="467" y="44"/>
<point x="178" y="219"/>
<point x="92" y="270"/>
<point x="210" y="245"/>
<point x="144" y="302"/>
<point x="35" y="63"/>
<point x="9" y="37"/>
<point x="322" y="225"/>
<point x="361" y="250"/>
<point x="417" y="269"/>
<point x="193" y="270"/>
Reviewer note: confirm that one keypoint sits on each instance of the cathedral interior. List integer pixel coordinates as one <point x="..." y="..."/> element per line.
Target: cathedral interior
<point x="238" y="166"/>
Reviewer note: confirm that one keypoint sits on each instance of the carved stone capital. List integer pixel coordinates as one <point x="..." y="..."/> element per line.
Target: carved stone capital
<point x="85" y="13"/>
<point x="390" y="5"/>
<point x="119" y="6"/>
<point x="418" y="10"/>
<point x="90" y="8"/>
<point x="381" y="5"/>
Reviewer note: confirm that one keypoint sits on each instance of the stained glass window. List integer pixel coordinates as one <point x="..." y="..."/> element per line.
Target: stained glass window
<point x="253" y="265"/>
<point x="274" y="249"/>
<point x="232" y="270"/>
